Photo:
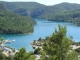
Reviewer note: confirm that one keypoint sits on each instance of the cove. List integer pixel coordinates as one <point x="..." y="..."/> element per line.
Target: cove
<point x="42" y="29"/>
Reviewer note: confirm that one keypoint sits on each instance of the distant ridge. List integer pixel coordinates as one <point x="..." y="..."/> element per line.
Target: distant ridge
<point x="35" y="9"/>
<point x="2" y="7"/>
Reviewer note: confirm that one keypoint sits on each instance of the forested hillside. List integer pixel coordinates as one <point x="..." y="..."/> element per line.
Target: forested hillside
<point x="66" y="16"/>
<point x="61" y="7"/>
<point x="35" y="9"/>
<point x="67" y="12"/>
<point x="30" y="6"/>
<point x="25" y="8"/>
<point x="11" y="23"/>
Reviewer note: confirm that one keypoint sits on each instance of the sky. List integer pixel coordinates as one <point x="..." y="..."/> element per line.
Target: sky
<point x="46" y="2"/>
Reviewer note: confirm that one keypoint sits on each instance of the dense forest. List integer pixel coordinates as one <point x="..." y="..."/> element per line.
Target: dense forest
<point x="66" y="12"/>
<point x="50" y="10"/>
<point x="25" y="8"/>
<point x="11" y="23"/>
<point x="66" y="16"/>
<point x="35" y="9"/>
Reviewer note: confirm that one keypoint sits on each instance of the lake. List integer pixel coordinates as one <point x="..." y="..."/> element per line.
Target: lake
<point x="42" y="29"/>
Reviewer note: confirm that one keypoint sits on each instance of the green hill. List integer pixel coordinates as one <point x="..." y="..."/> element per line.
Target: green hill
<point x="11" y="23"/>
<point x="66" y="16"/>
<point x="58" y="12"/>
<point x="24" y="8"/>
<point x="35" y="9"/>
<point x="52" y="10"/>
<point x="30" y="6"/>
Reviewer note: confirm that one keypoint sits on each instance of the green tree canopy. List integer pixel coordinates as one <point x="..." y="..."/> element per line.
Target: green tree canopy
<point x="57" y="46"/>
<point x="23" y="55"/>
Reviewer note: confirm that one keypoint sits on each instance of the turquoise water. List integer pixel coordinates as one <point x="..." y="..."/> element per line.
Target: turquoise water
<point x="42" y="29"/>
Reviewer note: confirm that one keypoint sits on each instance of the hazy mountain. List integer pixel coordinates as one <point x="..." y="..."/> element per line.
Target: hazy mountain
<point x="51" y="10"/>
<point x="35" y="9"/>
<point x="24" y="8"/>
<point x="2" y="7"/>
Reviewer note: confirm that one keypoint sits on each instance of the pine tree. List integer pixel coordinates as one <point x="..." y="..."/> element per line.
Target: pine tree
<point x="57" y="46"/>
